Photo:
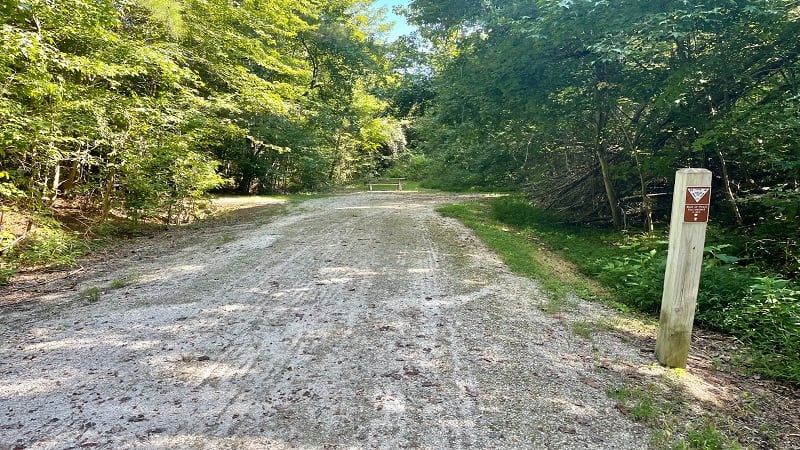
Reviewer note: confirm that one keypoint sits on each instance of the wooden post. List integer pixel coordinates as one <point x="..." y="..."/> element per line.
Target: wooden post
<point x="687" y="236"/>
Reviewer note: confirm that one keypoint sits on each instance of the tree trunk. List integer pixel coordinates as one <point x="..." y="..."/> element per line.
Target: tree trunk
<point x="244" y="184"/>
<point x="728" y="190"/>
<point x="611" y="193"/>
<point x="107" y="194"/>
<point x="56" y="182"/>
<point x="633" y="147"/>
<point x="601" y="104"/>
<point x="73" y="174"/>
<point x="336" y="159"/>
<point x="647" y="206"/>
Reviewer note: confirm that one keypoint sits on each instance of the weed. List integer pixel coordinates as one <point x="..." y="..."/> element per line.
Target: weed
<point x="119" y="283"/>
<point x="637" y="403"/>
<point x="46" y="245"/>
<point x="5" y="274"/>
<point x="554" y="305"/>
<point x="760" y="309"/>
<point x="645" y="409"/>
<point x="51" y="247"/>
<point x="706" y="436"/>
<point x="225" y="238"/>
<point x="91" y="295"/>
<point x="650" y="405"/>
<point x="583" y="328"/>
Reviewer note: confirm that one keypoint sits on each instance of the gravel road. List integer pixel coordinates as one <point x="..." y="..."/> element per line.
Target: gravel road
<point x="357" y="321"/>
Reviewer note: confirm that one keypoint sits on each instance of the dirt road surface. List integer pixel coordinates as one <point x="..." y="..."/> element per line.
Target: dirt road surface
<point x="352" y="322"/>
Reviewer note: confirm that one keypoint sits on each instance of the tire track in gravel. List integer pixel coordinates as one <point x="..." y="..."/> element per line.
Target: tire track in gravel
<point x="358" y="321"/>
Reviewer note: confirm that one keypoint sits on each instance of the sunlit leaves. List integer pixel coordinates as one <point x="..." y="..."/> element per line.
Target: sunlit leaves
<point x="134" y="103"/>
<point x="654" y="85"/>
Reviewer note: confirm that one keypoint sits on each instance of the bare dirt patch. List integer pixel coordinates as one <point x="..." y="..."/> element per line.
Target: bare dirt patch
<point x="356" y="321"/>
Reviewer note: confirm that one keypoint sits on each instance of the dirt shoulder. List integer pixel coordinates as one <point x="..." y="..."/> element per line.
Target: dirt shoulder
<point x="355" y="321"/>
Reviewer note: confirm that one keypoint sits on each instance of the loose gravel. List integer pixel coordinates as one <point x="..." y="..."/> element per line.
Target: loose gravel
<point x="353" y="322"/>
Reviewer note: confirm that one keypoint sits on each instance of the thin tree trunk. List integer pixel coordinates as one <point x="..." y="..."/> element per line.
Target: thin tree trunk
<point x="646" y="204"/>
<point x="601" y="119"/>
<point x="336" y="159"/>
<point x="107" y="194"/>
<point x="611" y="193"/>
<point x="633" y="147"/>
<point x="73" y="174"/>
<point x="56" y="182"/>
<point x="728" y="190"/>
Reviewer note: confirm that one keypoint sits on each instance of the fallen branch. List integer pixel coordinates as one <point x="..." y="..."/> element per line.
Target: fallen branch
<point x="37" y="285"/>
<point x="13" y="243"/>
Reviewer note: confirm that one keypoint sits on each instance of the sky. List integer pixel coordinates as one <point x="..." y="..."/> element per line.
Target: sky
<point x="400" y="26"/>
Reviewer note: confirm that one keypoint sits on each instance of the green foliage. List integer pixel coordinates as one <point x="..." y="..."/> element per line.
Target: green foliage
<point x="640" y="404"/>
<point x="583" y="328"/>
<point x="119" y="283"/>
<point x="410" y="166"/>
<point x="653" y="405"/>
<point x="638" y="273"/>
<point x="6" y="273"/>
<point x="48" y="246"/>
<point x="706" y="436"/>
<point x="767" y="318"/>
<point x="589" y="107"/>
<point x="90" y="295"/>
<point x="143" y="106"/>
<point x="762" y="311"/>
<point x="519" y="212"/>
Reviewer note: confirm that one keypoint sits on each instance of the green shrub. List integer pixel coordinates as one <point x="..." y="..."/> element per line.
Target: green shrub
<point x="521" y="213"/>
<point x="759" y="308"/>
<point x="637" y="276"/>
<point x="47" y="245"/>
<point x="50" y="247"/>
<point x="6" y="273"/>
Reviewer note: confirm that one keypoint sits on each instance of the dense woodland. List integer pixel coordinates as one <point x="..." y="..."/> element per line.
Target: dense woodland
<point x="590" y="106"/>
<point x="143" y="106"/>
<point x="140" y="108"/>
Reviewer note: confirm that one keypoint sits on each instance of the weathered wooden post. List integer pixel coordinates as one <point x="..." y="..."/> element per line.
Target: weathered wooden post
<point x="687" y="236"/>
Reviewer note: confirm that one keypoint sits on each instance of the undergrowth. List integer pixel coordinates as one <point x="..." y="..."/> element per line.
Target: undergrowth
<point x="760" y="308"/>
<point x="625" y="270"/>
<point x="47" y="245"/>
<point x="51" y="243"/>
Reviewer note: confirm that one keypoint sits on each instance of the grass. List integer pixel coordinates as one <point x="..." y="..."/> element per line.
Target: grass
<point x="47" y="245"/>
<point x="706" y="436"/>
<point x="583" y="328"/>
<point x="119" y="283"/>
<point x="640" y="404"/>
<point x="91" y="295"/>
<point x="225" y="238"/>
<point x="626" y="271"/>
<point x="518" y="252"/>
<point x="665" y="411"/>
<point x="58" y="243"/>
<point x="567" y="261"/>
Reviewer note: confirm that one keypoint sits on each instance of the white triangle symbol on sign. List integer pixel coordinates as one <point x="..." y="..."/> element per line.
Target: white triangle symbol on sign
<point x="699" y="193"/>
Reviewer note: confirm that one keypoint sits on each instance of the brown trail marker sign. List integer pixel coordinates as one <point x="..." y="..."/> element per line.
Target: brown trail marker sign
<point x="687" y="236"/>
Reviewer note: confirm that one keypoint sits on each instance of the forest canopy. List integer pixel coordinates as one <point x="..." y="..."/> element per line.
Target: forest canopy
<point x="590" y="106"/>
<point x="145" y="105"/>
<point x="133" y="111"/>
<point x="141" y="107"/>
